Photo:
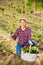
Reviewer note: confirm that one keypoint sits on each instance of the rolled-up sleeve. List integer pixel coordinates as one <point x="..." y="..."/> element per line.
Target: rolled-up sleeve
<point x="15" y="34"/>
<point x="29" y="35"/>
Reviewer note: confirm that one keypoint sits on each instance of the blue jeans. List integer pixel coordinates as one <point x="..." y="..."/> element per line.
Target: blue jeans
<point x="19" y="46"/>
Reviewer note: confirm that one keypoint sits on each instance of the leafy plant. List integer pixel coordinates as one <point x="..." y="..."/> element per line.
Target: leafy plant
<point x="32" y="49"/>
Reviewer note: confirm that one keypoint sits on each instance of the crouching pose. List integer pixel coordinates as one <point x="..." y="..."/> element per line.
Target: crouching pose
<point x="24" y="36"/>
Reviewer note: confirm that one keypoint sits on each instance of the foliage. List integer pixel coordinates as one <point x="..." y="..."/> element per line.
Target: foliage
<point x="32" y="49"/>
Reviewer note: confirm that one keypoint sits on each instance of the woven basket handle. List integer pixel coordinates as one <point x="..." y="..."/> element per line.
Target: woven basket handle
<point x="30" y="48"/>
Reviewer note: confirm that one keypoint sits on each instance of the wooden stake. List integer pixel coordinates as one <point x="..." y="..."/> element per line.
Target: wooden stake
<point x="12" y="21"/>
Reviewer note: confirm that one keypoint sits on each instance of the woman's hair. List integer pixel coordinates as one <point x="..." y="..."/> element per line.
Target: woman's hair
<point x="22" y="20"/>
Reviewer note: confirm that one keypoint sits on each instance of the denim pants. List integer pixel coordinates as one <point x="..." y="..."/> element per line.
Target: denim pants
<point x="19" y="46"/>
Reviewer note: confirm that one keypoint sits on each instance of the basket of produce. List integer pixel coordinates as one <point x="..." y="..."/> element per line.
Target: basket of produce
<point x="29" y="53"/>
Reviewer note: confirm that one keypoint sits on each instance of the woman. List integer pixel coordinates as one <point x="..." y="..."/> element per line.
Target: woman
<point x="24" y="36"/>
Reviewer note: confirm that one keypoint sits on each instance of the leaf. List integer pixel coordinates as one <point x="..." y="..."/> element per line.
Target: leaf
<point x="25" y="1"/>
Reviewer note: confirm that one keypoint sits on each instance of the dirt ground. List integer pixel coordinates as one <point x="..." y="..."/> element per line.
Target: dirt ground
<point x="13" y="59"/>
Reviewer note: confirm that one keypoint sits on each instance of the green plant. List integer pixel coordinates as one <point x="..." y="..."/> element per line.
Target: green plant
<point x="32" y="49"/>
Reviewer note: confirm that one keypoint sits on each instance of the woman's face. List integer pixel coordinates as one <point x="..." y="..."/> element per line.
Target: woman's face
<point x="22" y="23"/>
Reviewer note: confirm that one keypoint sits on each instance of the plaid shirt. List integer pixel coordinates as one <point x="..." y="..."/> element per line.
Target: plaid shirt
<point x="23" y="36"/>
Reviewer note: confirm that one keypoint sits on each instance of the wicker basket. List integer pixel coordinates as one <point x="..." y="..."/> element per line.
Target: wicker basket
<point x="28" y="56"/>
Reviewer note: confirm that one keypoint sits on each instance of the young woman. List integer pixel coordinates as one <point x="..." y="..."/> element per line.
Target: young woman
<point x="24" y="36"/>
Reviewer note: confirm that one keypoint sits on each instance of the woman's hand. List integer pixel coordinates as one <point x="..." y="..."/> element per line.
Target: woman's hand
<point x="30" y="42"/>
<point x="11" y="33"/>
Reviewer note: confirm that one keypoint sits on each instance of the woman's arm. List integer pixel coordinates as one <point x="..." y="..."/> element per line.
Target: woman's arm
<point x="29" y="35"/>
<point x="15" y="35"/>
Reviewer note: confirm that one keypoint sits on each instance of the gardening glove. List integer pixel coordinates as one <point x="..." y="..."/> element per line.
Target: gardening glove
<point x="12" y="33"/>
<point x="30" y="42"/>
